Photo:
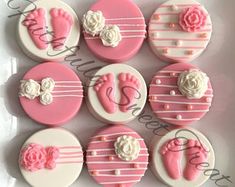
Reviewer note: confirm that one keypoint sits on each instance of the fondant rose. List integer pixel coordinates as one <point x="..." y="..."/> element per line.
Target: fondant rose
<point x="46" y="98"/>
<point x="110" y="35"/>
<point x="47" y="84"/>
<point x="93" y="22"/>
<point x="193" y="83"/>
<point x="192" y="19"/>
<point x="29" y="89"/>
<point x="127" y="148"/>
<point x="52" y="155"/>
<point x="33" y="157"/>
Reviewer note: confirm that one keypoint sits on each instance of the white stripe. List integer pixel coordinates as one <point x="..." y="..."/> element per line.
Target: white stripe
<point x="165" y="71"/>
<point x="122" y="162"/>
<point x="177" y="95"/>
<point x="131" y="36"/>
<point x="63" y="86"/>
<point x="163" y="85"/>
<point x="62" y="91"/>
<point x="121" y="182"/>
<point x="94" y="156"/>
<point x="113" y="134"/>
<point x="68" y="82"/>
<point x="131" y="25"/>
<point x="165" y="76"/>
<point x="109" y="175"/>
<point x="68" y="96"/>
<point x="192" y="119"/>
<point x="163" y="101"/>
<point x="121" y="169"/>
<point x="111" y="149"/>
<point x="113" y="140"/>
<point x="123" y="31"/>
<point x="142" y="18"/>
<point x="168" y="86"/>
<point x="175" y="111"/>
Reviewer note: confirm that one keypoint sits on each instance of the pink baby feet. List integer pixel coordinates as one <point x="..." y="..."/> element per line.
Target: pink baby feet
<point x="36" y="23"/>
<point x="195" y="153"/>
<point x="172" y="154"/>
<point x="104" y="88"/>
<point x="129" y="86"/>
<point x="61" y="23"/>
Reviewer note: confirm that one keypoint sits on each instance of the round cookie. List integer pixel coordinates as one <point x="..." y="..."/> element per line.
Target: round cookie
<point x="114" y="30"/>
<point x="180" y="94"/>
<point x="116" y="94"/>
<point x="51" y="93"/>
<point x="117" y="156"/>
<point x="179" y="30"/>
<point x="51" y="157"/>
<point x="181" y="157"/>
<point x="49" y="30"/>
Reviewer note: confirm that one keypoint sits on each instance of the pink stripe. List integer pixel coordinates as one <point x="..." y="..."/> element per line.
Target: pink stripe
<point x="180" y="47"/>
<point x="167" y="23"/>
<point x="170" y="39"/>
<point x="69" y="162"/>
<point x="168" y="30"/>
<point x="70" y="147"/>
<point x="65" y="157"/>
<point x="70" y="153"/>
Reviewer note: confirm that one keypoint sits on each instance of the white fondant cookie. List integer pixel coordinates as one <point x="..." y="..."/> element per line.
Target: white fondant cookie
<point x="116" y="94"/>
<point x="51" y="157"/>
<point x="179" y="30"/>
<point x="49" y="32"/>
<point x="181" y="156"/>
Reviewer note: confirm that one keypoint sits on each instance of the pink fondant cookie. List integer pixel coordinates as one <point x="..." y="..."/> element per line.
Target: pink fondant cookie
<point x="179" y="30"/>
<point x="180" y="94"/>
<point x="117" y="156"/>
<point x="50" y="30"/>
<point x="181" y="157"/>
<point x="51" y="93"/>
<point x="51" y="157"/>
<point x="116" y="94"/>
<point x="114" y="30"/>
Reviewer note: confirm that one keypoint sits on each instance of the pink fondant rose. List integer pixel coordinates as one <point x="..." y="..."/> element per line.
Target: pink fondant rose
<point x="33" y="157"/>
<point x="192" y="19"/>
<point x="52" y="155"/>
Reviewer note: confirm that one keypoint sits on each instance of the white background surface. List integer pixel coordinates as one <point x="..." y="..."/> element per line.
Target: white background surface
<point x="218" y="61"/>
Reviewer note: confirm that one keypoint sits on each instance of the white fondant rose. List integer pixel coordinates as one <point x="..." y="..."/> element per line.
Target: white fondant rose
<point x="127" y="148"/>
<point x="46" y="98"/>
<point x="93" y="22"/>
<point x="110" y="35"/>
<point x="193" y="83"/>
<point x="47" y="84"/>
<point x="29" y="89"/>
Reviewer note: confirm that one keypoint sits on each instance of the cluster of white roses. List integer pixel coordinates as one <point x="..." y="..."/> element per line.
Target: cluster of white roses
<point x="32" y="89"/>
<point x="94" y="24"/>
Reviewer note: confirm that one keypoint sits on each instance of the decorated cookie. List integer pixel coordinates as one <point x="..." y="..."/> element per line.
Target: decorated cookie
<point x="117" y="156"/>
<point x="113" y="35"/>
<point x="180" y="94"/>
<point x="50" y="30"/>
<point x="116" y="94"/>
<point x="181" y="157"/>
<point x="179" y="30"/>
<point x="51" y="93"/>
<point x="51" y="157"/>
